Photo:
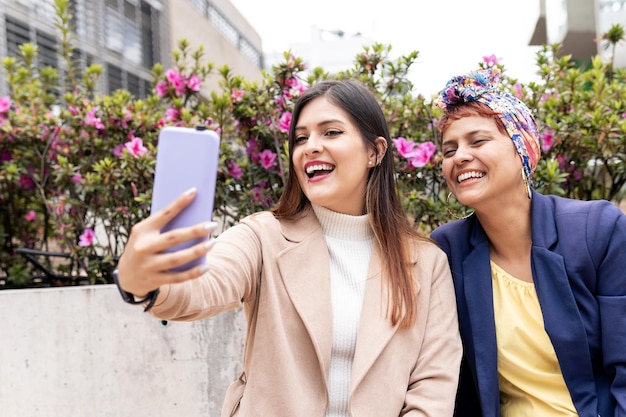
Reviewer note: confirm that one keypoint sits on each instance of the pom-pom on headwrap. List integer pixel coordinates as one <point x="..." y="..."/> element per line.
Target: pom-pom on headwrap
<point x="483" y="86"/>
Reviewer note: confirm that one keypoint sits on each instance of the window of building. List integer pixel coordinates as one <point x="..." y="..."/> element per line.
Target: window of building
<point x="146" y="88"/>
<point x="149" y="35"/>
<point x="113" y="27"/>
<point x="251" y="52"/>
<point x="114" y="78"/>
<point x="223" y="26"/>
<point x="132" y="34"/>
<point x="134" y="85"/>
<point x="81" y="61"/>
<point x="46" y="50"/>
<point x="84" y="21"/>
<point x="41" y="8"/>
<point x="232" y="34"/>
<point x="117" y="78"/>
<point x="17" y="34"/>
<point x="202" y="6"/>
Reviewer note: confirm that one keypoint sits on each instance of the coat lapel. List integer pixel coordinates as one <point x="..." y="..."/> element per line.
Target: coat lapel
<point x="307" y="286"/>
<point x="375" y="329"/>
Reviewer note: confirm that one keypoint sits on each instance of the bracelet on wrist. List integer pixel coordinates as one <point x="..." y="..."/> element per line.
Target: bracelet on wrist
<point x="128" y="297"/>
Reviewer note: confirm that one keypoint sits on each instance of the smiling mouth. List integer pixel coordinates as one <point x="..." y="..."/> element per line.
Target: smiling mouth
<point x="319" y="169"/>
<point x="469" y="175"/>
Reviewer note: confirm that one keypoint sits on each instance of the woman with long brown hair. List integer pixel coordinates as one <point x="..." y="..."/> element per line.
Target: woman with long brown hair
<point x="350" y="311"/>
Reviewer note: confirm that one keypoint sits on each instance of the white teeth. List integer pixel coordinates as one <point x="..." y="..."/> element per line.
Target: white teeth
<point x="312" y="168"/>
<point x="468" y="175"/>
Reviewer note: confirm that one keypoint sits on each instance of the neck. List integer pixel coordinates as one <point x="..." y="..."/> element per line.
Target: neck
<point x="508" y="228"/>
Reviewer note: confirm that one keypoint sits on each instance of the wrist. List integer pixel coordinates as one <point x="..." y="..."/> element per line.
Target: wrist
<point x="147" y="299"/>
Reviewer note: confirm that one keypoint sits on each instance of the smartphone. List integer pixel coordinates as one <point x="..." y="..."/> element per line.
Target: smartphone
<point x="186" y="158"/>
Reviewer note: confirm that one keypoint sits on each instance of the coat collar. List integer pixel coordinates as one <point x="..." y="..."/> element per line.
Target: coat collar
<point x="307" y="286"/>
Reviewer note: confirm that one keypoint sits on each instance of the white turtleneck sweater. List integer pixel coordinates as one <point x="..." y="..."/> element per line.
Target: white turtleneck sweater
<point x="349" y="240"/>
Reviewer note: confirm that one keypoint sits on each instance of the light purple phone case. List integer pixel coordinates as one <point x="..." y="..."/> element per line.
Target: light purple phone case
<point x="186" y="158"/>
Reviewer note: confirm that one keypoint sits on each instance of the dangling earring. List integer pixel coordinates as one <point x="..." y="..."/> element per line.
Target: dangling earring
<point x="453" y="214"/>
<point x="526" y="181"/>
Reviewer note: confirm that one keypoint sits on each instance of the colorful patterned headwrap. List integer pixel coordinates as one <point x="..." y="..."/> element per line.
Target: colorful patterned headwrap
<point x="482" y="86"/>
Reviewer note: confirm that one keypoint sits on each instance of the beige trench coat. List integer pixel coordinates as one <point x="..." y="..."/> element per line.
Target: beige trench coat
<point x="279" y="272"/>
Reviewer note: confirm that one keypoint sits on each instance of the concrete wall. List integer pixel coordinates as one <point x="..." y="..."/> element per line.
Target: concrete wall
<point x="81" y="351"/>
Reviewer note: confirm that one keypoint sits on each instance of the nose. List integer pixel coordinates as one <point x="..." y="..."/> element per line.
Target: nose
<point x="462" y="154"/>
<point x="313" y="145"/>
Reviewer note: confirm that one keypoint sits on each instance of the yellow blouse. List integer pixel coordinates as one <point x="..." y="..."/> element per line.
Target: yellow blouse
<point x="530" y="378"/>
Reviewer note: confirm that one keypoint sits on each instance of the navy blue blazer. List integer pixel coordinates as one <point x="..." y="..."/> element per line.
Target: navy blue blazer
<point x="578" y="260"/>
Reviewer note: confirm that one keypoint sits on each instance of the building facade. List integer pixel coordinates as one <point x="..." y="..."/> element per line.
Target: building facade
<point x="576" y="24"/>
<point x="227" y="37"/>
<point x="127" y="37"/>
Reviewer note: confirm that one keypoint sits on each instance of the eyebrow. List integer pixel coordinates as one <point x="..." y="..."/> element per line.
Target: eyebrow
<point x="468" y="134"/>
<point x="323" y="123"/>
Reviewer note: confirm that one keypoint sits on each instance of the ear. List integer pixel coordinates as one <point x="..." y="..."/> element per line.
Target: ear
<point x="378" y="152"/>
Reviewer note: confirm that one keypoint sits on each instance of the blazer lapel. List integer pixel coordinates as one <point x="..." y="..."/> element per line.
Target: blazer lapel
<point x="375" y="329"/>
<point x="478" y="291"/>
<point x="561" y="317"/>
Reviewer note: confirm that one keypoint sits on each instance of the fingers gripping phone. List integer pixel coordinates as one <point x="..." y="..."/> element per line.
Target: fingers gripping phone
<point x="186" y="158"/>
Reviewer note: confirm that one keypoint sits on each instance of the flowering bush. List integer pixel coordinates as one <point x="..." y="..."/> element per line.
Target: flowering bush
<point x="76" y="169"/>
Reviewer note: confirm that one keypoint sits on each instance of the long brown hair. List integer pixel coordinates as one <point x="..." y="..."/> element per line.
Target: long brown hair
<point x="387" y="217"/>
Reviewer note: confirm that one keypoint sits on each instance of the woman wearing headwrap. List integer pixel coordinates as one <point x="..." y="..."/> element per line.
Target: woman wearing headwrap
<point x="540" y="280"/>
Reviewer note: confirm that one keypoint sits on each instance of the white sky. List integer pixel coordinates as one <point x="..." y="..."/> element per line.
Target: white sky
<point x="451" y="36"/>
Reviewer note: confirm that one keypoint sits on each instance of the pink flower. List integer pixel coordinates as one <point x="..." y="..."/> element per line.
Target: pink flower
<point x="547" y="140"/>
<point x="423" y="154"/>
<point x="404" y="147"/>
<point x="251" y="149"/>
<point x="284" y="122"/>
<point x="624" y="115"/>
<point x="86" y="239"/>
<point x="26" y="182"/>
<point x="234" y="170"/>
<point x="171" y="114"/>
<point x="176" y="80"/>
<point x="267" y="158"/>
<point x="258" y="195"/>
<point x="30" y="216"/>
<point x="135" y="147"/>
<point x="60" y="208"/>
<point x="237" y="95"/>
<point x="296" y="84"/>
<point x="161" y="88"/>
<point x="123" y="210"/>
<point x="94" y="121"/>
<point x="73" y="110"/>
<point x="518" y="90"/>
<point x="77" y="178"/>
<point x="194" y="83"/>
<point x="5" y="104"/>
<point x="491" y="60"/>
<point x="118" y="150"/>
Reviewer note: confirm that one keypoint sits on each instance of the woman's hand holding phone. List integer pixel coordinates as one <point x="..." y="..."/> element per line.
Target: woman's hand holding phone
<point x="146" y="264"/>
